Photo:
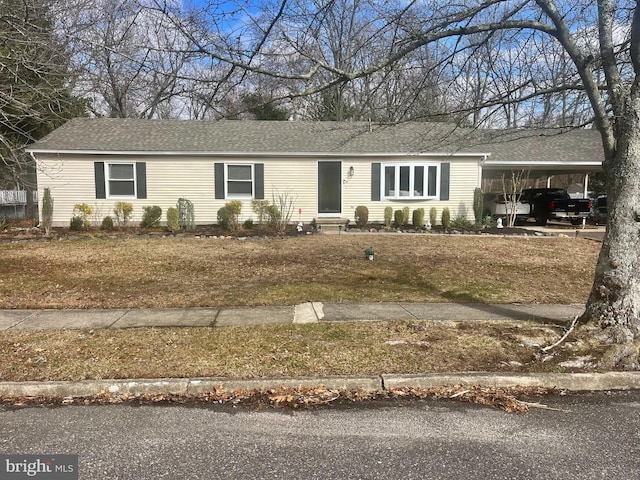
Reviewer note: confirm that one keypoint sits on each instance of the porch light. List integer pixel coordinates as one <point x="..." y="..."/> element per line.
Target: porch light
<point x="352" y="171"/>
<point x="368" y="253"/>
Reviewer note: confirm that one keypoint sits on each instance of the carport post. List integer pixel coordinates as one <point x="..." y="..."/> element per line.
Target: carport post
<point x="586" y="195"/>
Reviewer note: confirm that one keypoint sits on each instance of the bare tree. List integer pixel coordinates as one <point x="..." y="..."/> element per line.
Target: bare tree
<point x="600" y="39"/>
<point x="34" y="86"/>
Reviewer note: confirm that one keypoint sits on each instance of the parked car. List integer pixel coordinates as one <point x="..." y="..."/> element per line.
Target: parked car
<point x="496" y="206"/>
<point x="555" y="203"/>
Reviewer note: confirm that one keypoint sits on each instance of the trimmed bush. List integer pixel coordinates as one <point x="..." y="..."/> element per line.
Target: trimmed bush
<point x="83" y="211"/>
<point x="462" y="223"/>
<point x="107" y="223"/>
<point x="224" y="218"/>
<point x="76" y="223"/>
<point x="173" y="223"/>
<point x="418" y="218"/>
<point x="361" y="216"/>
<point x="398" y="219"/>
<point x="433" y="216"/>
<point x="405" y="215"/>
<point x="388" y="216"/>
<point x="248" y="224"/>
<point x="446" y="219"/>
<point x="151" y="217"/>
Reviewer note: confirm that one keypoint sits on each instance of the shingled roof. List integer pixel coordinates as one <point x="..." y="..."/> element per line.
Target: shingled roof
<point x="113" y="135"/>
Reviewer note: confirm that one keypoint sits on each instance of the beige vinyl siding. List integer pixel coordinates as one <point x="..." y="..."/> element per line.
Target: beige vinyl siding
<point x="71" y="180"/>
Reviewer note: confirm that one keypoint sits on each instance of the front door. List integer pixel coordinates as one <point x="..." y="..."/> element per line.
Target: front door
<point x="330" y="188"/>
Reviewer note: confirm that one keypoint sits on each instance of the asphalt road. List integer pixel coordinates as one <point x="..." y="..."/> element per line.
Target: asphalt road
<point x="598" y="436"/>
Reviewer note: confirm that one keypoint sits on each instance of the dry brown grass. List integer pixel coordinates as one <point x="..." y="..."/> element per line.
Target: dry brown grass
<point x="365" y="348"/>
<point x="191" y="272"/>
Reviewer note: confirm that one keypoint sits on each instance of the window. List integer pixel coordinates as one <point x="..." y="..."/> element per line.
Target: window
<point x="121" y="180"/>
<point x="239" y="181"/>
<point x="413" y="180"/>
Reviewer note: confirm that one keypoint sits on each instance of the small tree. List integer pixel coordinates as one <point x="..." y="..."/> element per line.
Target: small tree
<point x="478" y="205"/>
<point x="47" y="211"/>
<point x="512" y="190"/>
<point x="186" y="214"/>
<point x="284" y="204"/>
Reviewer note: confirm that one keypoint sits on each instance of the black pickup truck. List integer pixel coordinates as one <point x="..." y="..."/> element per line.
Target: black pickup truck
<point x="555" y="203"/>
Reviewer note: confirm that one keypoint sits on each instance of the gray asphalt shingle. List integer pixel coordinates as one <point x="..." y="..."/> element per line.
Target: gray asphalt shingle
<point x="199" y="136"/>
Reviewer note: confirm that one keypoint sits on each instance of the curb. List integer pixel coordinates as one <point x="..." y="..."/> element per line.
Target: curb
<point x="575" y="382"/>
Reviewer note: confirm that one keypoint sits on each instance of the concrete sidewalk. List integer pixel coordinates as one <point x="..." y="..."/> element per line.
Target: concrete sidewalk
<point x="310" y="312"/>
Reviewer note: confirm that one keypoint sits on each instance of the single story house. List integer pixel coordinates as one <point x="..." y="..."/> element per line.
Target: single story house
<point x="328" y="168"/>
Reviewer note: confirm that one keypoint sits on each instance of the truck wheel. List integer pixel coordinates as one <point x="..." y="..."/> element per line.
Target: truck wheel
<point x="541" y="220"/>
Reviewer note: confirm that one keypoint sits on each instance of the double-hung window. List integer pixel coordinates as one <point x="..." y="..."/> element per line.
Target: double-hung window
<point x="239" y="181"/>
<point x="121" y="180"/>
<point x="411" y="180"/>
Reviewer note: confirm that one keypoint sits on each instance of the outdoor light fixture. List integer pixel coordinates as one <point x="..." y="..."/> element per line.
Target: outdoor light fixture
<point x="368" y="253"/>
<point x="352" y="171"/>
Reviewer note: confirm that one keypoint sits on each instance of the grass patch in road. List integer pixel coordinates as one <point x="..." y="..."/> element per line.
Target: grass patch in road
<point x="358" y="348"/>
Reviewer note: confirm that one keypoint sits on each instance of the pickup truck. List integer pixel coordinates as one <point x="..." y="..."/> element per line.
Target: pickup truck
<point x="555" y="204"/>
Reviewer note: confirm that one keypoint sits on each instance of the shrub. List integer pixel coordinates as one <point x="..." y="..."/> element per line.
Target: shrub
<point x="462" y="223"/>
<point x="122" y="212"/>
<point x="173" y="223"/>
<point x="405" y="215"/>
<point x="398" y="219"/>
<point x="76" y="223"/>
<point x="478" y="205"/>
<point x="224" y="218"/>
<point x="47" y="211"/>
<point x="235" y="208"/>
<point x="107" y="223"/>
<point x="418" y="218"/>
<point x="361" y="216"/>
<point x="281" y="210"/>
<point x="259" y="207"/>
<point x="151" y="217"/>
<point x="186" y="214"/>
<point x="433" y="216"/>
<point x="446" y="219"/>
<point x="248" y="223"/>
<point x="83" y="212"/>
<point x="388" y="216"/>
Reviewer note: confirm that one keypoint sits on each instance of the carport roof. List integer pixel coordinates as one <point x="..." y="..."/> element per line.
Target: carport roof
<point x="515" y="148"/>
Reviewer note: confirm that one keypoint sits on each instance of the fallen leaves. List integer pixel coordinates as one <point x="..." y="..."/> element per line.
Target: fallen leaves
<point x="285" y="397"/>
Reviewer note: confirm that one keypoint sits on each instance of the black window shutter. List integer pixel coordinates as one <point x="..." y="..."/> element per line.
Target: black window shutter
<point x="98" y="169"/>
<point x="259" y="181"/>
<point x="219" y="180"/>
<point x="141" y="179"/>
<point x="375" y="182"/>
<point x="445" y="174"/>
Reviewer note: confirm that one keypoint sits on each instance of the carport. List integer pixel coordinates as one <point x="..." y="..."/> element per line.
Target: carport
<point x="545" y="153"/>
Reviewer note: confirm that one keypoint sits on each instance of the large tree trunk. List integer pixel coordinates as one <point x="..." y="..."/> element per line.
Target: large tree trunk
<point x="614" y="302"/>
